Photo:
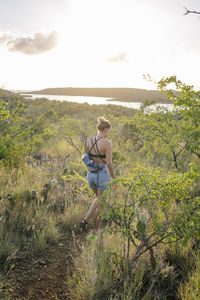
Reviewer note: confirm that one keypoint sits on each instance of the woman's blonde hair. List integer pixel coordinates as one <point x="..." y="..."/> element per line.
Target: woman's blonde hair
<point x="103" y="123"/>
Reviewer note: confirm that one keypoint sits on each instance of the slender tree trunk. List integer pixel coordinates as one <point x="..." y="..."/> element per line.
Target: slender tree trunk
<point x="175" y="159"/>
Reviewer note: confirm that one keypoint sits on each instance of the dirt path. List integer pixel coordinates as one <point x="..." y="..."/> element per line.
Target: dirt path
<point x="43" y="277"/>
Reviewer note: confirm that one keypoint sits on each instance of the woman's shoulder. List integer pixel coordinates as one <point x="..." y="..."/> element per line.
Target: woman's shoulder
<point x="107" y="142"/>
<point x="103" y="140"/>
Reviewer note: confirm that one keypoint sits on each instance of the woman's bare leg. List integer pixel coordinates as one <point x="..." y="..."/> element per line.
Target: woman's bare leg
<point x="91" y="210"/>
<point x="92" y="207"/>
<point x="97" y="217"/>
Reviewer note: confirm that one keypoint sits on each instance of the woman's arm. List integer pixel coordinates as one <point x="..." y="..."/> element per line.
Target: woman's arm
<point x="109" y="158"/>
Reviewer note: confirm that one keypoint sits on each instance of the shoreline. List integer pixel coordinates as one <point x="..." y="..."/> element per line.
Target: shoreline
<point x="140" y="101"/>
<point x="130" y="95"/>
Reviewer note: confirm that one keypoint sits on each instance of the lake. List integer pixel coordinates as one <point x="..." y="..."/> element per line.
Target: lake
<point x="91" y="100"/>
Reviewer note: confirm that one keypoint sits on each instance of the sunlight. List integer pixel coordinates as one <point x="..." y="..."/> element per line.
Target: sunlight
<point x="105" y="43"/>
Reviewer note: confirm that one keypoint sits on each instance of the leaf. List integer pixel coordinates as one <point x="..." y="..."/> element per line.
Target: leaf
<point x="91" y="237"/>
<point x="136" y="234"/>
<point x="141" y="226"/>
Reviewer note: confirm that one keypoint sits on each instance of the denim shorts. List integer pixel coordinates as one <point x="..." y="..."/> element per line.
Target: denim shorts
<point x="97" y="180"/>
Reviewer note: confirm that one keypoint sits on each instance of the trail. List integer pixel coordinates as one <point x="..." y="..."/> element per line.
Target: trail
<point x="43" y="276"/>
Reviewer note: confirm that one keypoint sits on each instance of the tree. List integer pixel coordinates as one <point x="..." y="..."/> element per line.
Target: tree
<point x="164" y="135"/>
<point x="188" y="104"/>
<point x="20" y="133"/>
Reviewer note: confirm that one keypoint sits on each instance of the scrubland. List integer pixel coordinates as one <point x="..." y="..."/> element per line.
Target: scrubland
<point x="147" y="246"/>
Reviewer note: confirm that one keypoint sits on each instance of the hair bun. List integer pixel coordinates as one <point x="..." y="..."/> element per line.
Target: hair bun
<point x="102" y="123"/>
<point x="101" y="119"/>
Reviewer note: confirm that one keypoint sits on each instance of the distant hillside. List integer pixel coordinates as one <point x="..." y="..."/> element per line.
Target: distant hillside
<point x="117" y="94"/>
<point x="5" y="93"/>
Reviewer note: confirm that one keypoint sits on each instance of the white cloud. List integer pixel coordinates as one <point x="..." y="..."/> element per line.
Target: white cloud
<point x="4" y="37"/>
<point x="39" y="43"/>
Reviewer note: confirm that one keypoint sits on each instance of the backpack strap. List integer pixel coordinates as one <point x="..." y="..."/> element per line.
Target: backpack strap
<point x="93" y="144"/>
<point x="87" y="147"/>
<point x="97" y="147"/>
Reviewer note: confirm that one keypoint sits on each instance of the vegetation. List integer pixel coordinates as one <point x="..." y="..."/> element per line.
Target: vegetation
<point x="148" y="245"/>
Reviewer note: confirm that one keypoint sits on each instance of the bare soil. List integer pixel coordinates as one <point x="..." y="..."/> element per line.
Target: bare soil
<point x="43" y="276"/>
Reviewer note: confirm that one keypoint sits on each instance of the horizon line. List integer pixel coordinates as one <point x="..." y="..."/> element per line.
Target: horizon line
<point x="78" y="87"/>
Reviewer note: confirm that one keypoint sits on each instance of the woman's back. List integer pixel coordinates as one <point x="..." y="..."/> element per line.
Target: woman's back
<point x="97" y="149"/>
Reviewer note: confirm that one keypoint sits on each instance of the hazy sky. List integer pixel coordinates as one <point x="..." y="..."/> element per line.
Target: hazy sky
<point x="97" y="43"/>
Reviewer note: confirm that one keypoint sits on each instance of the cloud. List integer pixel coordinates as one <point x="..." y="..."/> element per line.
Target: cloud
<point x="4" y="37"/>
<point x="37" y="44"/>
<point x="120" y="57"/>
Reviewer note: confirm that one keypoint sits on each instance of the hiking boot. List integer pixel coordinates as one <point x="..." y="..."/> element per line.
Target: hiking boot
<point x="83" y="225"/>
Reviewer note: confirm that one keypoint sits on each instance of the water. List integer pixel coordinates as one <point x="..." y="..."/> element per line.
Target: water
<point x="91" y="100"/>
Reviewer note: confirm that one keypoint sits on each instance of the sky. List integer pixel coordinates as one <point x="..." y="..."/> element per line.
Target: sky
<point x="97" y="43"/>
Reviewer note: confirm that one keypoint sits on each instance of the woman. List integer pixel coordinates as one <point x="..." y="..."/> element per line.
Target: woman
<point x="100" y="150"/>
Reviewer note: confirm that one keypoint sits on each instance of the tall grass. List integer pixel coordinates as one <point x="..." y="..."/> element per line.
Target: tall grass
<point x="100" y="272"/>
<point x="95" y="269"/>
<point x="27" y="224"/>
<point x="35" y="198"/>
<point x="190" y="288"/>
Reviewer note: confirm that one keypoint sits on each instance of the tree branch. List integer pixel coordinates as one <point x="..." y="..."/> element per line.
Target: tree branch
<point x="70" y="141"/>
<point x="187" y="11"/>
<point x="182" y="149"/>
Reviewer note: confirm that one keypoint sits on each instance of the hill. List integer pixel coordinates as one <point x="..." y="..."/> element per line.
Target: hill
<point x="117" y="94"/>
<point x="5" y="92"/>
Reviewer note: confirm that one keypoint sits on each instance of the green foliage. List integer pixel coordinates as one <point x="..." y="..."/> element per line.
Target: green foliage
<point x="4" y="113"/>
<point x="153" y="208"/>
<point x="20" y="135"/>
<point x="168" y="137"/>
<point x="156" y="204"/>
<point x="118" y="157"/>
<point x="187" y="102"/>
